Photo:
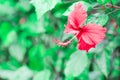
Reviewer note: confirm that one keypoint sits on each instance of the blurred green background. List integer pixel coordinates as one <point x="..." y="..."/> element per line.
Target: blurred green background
<point x="27" y="50"/>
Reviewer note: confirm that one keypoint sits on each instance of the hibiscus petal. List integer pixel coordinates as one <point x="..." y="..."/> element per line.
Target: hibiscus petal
<point x="76" y="18"/>
<point x="70" y="30"/>
<point x="93" y="34"/>
<point x="82" y="45"/>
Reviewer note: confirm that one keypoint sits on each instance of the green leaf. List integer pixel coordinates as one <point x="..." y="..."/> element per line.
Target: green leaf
<point x="86" y="5"/>
<point x="36" y="54"/>
<point x="6" y="9"/>
<point x="114" y="1"/>
<point x="100" y="19"/>
<point x="6" y="74"/>
<point x="114" y="43"/>
<point x="23" y="5"/>
<point x="12" y="64"/>
<point x="23" y="73"/>
<point x="77" y="64"/>
<point x="32" y="26"/>
<point x="118" y="30"/>
<point x="102" y="64"/>
<point x="5" y="28"/>
<point x="43" y="75"/>
<point x="103" y="1"/>
<point x="42" y="6"/>
<point x="93" y="75"/>
<point x="60" y="9"/>
<point x="17" y="51"/>
<point x="10" y="38"/>
<point x="69" y="78"/>
<point x="7" y="34"/>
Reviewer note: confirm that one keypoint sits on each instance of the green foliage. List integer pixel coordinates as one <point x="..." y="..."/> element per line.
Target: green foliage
<point x="42" y="6"/>
<point x="36" y="54"/>
<point x="16" y="75"/>
<point x="100" y="19"/>
<point x="43" y="75"/>
<point x="101" y="62"/>
<point x="77" y="64"/>
<point x="86" y="5"/>
<point x="17" y="51"/>
<point x="27" y="50"/>
<point x="103" y="1"/>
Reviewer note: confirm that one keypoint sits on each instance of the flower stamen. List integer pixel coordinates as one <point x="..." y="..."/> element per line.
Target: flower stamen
<point x="63" y="44"/>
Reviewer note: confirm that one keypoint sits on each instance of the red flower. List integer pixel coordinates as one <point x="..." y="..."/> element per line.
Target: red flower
<point x="88" y="35"/>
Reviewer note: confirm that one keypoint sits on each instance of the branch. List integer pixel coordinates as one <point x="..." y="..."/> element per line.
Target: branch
<point x="113" y="6"/>
<point x="107" y="5"/>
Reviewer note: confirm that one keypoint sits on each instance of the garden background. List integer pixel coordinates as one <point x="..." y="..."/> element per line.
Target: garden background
<point x="27" y="50"/>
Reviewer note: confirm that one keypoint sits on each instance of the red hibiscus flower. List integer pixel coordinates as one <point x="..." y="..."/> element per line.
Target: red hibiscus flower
<point x="88" y="35"/>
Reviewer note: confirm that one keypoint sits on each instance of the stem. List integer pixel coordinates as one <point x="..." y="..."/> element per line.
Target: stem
<point x="107" y="5"/>
<point x="112" y="11"/>
<point x="73" y="38"/>
<point x="113" y="6"/>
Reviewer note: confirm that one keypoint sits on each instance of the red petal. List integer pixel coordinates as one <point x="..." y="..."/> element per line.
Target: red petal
<point x="93" y="34"/>
<point x="70" y="29"/>
<point x="84" y="46"/>
<point x="76" y="18"/>
<point x="90" y="35"/>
